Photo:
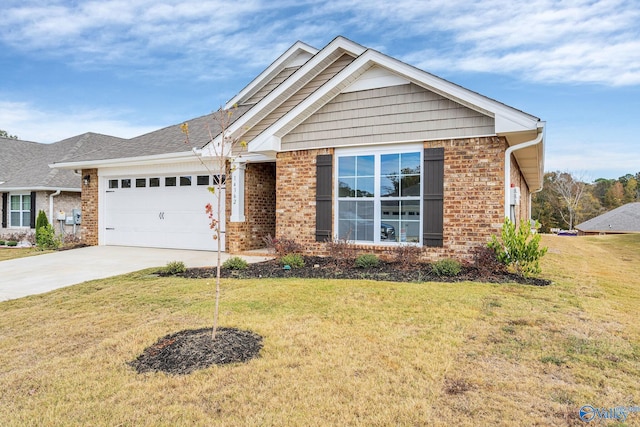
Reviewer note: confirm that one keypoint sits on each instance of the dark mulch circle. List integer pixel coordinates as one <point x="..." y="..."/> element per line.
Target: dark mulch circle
<point x="328" y="268"/>
<point x="189" y="350"/>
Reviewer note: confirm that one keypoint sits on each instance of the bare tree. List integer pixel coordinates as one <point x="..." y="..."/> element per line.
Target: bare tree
<point x="569" y="189"/>
<point x="221" y="149"/>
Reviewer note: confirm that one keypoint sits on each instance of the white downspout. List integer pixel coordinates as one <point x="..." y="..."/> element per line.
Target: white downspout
<point x="51" y="196"/>
<point x="507" y="169"/>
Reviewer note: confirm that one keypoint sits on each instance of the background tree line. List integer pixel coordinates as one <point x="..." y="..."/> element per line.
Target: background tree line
<point x="567" y="200"/>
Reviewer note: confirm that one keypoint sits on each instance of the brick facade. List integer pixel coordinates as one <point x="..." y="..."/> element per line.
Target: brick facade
<point x="473" y="197"/>
<point x="89" y="227"/>
<point x="259" y="202"/>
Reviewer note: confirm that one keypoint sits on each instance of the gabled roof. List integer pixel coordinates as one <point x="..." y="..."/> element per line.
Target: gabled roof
<point x="168" y="141"/>
<point x="515" y="125"/>
<point x="625" y="219"/>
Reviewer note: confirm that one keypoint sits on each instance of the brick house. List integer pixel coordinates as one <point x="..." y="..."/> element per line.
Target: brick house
<point x="343" y="142"/>
<point x="28" y="184"/>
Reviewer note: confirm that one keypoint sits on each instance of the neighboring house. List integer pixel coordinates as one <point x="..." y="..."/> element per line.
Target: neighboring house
<point x="343" y="142"/>
<point x="28" y="184"/>
<point x="622" y="220"/>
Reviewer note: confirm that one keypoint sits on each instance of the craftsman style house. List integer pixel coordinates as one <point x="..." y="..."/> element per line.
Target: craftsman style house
<point x="342" y="142"/>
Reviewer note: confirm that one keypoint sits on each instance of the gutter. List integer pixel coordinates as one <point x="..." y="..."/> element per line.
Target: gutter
<point x="507" y="170"/>
<point x="51" y="196"/>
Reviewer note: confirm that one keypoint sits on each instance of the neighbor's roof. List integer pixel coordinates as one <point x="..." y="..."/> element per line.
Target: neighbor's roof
<point x="24" y="165"/>
<point x="625" y="219"/>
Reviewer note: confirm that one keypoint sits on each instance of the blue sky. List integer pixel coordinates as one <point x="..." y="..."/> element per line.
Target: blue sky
<point x="126" y="67"/>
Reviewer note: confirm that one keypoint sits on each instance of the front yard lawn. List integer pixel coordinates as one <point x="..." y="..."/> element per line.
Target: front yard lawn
<point x="337" y="352"/>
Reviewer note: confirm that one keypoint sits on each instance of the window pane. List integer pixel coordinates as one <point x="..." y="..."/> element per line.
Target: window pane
<point x="26" y="202"/>
<point x="15" y="219"/>
<point x="125" y="183"/>
<point x="389" y="164"/>
<point x="141" y="182"/>
<point x="389" y="186"/>
<point x="356" y="221"/>
<point x="410" y="185"/>
<point x="26" y="219"/>
<point x="113" y="183"/>
<point x="185" y="181"/>
<point x="170" y="181"/>
<point x="364" y="166"/>
<point x="347" y="166"/>
<point x="202" y="180"/>
<point x="365" y="187"/>
<point x="15" y="203"/>
<point x="219" y="179"/>
<point x="154" y="182"/>
<point x="347" y="187"/>
<point x="410" y="162"/>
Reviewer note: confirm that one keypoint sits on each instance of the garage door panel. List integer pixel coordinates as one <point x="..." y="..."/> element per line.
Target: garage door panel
<point x="166" y="217"/>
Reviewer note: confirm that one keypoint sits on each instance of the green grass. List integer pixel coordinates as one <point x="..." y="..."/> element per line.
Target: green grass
<point x="337" y="352"/>
<point x="13" y="253"/>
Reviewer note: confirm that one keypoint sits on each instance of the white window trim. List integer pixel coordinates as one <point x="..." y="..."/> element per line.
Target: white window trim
<point x="10" y="211"/>
<point x="377" y="151"/>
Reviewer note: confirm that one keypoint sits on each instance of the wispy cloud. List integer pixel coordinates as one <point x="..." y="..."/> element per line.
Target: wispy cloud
<point x="51" y="126"/>
<point x="581" y="41"/>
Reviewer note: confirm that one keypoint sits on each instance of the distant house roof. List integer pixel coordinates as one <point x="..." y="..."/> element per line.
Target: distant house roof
<point x="24" y="165"/>
<point x="625" y="219"/>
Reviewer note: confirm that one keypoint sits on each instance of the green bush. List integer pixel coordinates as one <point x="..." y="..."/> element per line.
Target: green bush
<point x="235" y="263"/>
<point x="41" y="221"/>
<point x="518" y="248"/>
<point x="12" y="243"/>
<point x="292" y="260"/>
<point x="46" y="238"/>
<point x="2" y="242"/>
<point x="174" y="267"/>
<point x="367" y="261"/>
<point x="446" y="267"/>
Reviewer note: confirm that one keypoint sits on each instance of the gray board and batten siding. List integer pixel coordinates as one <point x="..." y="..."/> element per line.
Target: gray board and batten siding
<point x="388" y="114"/>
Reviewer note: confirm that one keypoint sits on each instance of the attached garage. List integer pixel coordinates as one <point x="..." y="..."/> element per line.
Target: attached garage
<point x="159" y="210"/>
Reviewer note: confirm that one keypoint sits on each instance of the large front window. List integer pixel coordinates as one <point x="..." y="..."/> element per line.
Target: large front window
<point x="379" y="196"/>
<point x="20" y="210"/>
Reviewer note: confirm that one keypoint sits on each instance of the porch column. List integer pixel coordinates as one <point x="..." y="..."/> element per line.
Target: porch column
<point x="237" y="191"/>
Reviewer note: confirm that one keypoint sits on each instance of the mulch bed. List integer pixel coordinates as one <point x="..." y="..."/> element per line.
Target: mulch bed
<point x="189" y="350"/>
<point x="328" y="268"/>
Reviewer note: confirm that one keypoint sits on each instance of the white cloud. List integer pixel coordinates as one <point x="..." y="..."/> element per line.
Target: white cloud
<point x="31" y="124"/>
<point x="592" y="41"/>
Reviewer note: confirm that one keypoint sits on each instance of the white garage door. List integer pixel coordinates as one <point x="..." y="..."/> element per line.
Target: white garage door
<point x="161" y="212"/>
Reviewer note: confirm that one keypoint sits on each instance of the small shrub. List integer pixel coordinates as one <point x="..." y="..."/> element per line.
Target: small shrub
<point x="486" y="262"/>
<point x="2" y="242"/>
<point x="282" y="246"/>
<point x="235" y="263"/>
<point x="46" y="238"/>
<point x="41" y="221"/>
<point x="174" y="268"/>
<point x="341" y="251"/>
<point x="366" y="261"/>
<point x="407" y="256"/>
<point x="12" y="243"/>
<point x="446" y="267"/>
<point x="292" y="260"/>
<point x="518" y="248"/>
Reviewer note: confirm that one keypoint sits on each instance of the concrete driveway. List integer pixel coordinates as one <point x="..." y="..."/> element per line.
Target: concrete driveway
<point x="43" y="273"/>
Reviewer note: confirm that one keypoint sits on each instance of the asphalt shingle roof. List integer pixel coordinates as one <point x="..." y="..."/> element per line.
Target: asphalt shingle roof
<point x="626" y="218"/>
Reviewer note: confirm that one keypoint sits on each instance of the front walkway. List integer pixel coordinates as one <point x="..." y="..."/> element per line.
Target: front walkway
<point x="43" y="273"/>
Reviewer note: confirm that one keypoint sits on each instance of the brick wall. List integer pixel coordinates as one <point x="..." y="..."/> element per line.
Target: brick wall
<point x="473" y="197"/>
<point x="89" y="227"/>
<point x="259" y="203"/>
<point x="296" y="198"/>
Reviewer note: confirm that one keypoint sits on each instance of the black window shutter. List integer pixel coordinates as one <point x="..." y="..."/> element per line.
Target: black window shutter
<point x="33" y="209"/>
<point x="433" y="197"/>
<point x="324" y="175"/>
<point x="5" y="197"/>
